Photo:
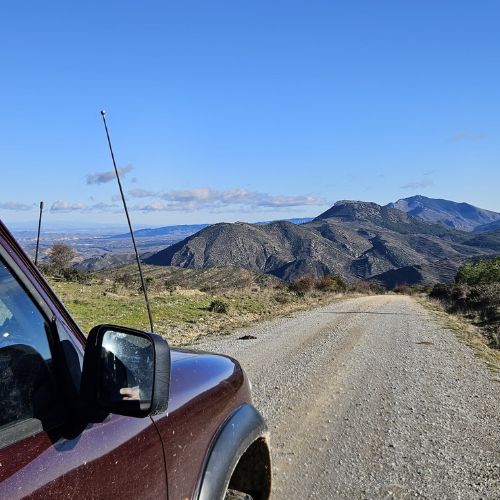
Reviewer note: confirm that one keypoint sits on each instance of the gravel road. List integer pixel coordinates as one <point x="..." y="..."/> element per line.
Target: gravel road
<point x="372" y="398"/>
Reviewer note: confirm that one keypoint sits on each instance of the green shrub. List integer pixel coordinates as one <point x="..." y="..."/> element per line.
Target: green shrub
<point x="218" y="306"/>
<point x="67" y="273"/>
<point x="72" y="274"/>
<point x="483" y="271"/>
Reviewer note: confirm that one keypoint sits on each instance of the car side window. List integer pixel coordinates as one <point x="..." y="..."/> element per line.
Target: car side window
<point x="26" y="380"/>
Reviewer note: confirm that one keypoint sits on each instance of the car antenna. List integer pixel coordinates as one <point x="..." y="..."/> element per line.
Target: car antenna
<point x="103" y="114"/>
<point x="38" y="234"/>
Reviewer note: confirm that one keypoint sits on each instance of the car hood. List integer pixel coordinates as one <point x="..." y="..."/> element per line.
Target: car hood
<point x="196" y="373"/>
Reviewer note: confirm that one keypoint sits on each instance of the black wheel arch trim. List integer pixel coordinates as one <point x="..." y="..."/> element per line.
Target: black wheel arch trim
<point x="243" y="427"/>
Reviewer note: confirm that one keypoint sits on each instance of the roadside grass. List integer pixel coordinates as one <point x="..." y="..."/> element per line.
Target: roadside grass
<point x="181" y="315"/>
<point x="465" y="331"/>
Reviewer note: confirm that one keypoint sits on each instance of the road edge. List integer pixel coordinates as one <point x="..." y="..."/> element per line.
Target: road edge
<point x="465" y="332"/>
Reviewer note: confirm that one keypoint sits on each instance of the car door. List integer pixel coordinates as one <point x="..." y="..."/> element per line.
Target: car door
<point x="46" y="451"/>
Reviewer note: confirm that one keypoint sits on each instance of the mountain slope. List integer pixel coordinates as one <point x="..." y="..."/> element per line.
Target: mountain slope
<point x="357" y="240"/>
<point x="280" y="248"/>
<point x="491" y="226"/>
<point x="461" y="216"/>
<point x="105" y="261"/>
<point x="490" y="240"/>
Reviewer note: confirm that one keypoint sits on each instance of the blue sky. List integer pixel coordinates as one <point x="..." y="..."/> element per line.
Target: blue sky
<point x="238" y="110"/>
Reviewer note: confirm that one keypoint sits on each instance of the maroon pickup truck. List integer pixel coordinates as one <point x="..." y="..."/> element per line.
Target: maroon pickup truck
<point x="117" y="414"/>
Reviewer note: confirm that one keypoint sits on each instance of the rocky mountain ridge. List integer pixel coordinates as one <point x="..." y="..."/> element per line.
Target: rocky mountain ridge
<point x="462" y="216"/>
<point x="358" y="240"/>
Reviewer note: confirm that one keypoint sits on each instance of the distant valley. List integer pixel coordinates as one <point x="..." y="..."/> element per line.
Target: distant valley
<point x="99" y="248"/>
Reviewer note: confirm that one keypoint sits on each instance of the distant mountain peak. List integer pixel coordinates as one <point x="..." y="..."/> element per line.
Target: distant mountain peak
<point x="362" y="211"/>
<point x="463" y="216"/>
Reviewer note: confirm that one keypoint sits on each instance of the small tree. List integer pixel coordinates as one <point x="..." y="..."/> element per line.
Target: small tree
<point x="60" y="256"/>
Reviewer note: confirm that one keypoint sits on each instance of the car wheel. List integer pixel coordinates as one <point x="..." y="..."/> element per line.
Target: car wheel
<point x="237" y="495"/>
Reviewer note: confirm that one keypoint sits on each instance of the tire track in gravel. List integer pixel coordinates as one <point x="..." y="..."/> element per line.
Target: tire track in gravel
<point x="370" y="398"/>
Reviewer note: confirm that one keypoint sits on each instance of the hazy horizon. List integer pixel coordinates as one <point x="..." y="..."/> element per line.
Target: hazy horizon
<point x="58" y="224"/>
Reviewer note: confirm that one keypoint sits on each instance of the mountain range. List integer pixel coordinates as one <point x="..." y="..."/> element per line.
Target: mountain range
<point x="461" y="216"/>
<point x="358" y="240"/>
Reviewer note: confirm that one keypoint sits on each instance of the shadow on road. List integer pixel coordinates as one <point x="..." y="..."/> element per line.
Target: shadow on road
<point x="370" y="312"/>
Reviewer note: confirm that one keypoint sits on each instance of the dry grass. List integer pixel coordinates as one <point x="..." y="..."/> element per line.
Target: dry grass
<point x="181" y="315"/>
<point x="466" y="332"/>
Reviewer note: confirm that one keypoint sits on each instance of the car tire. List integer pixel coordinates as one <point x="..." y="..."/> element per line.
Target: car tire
<point x="237" y="495"/>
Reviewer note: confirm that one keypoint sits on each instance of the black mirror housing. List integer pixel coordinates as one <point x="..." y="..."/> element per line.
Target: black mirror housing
<point x="125" y="371"/>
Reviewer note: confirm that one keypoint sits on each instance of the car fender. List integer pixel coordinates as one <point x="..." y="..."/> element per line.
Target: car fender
<point x="243" y="427"/>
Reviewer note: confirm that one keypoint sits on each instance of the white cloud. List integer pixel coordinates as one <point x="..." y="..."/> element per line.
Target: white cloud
<point x="103" y="177"/>
<point x="290" y="201"/>
<point x="102" y="207"/>
<point x="141" y="193"/>
<point x="213" y="199"/>
<point x="15" y="205"/>
<point x="154" y="206"/>
<point x="66" y="206"/>
<point x="201" y="199"/>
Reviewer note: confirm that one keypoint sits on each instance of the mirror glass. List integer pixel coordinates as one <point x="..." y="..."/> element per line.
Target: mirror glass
<point x="127" y="369"/>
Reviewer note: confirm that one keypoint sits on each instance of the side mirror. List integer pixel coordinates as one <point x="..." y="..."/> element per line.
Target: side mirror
<point x="125" y="371"/>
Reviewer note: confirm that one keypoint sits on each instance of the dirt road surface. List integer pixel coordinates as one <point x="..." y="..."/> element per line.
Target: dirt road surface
<point x="372" y="398"/>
